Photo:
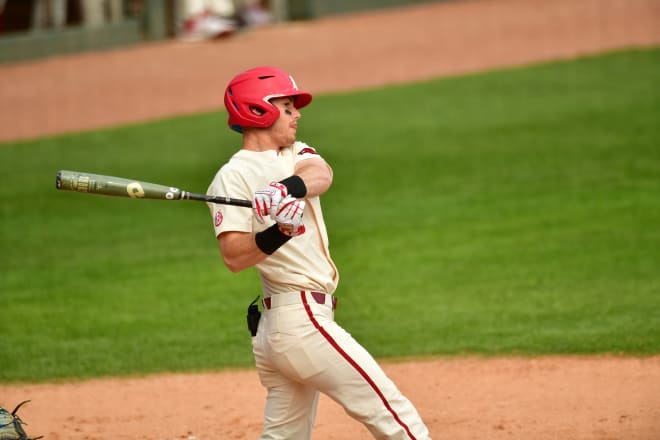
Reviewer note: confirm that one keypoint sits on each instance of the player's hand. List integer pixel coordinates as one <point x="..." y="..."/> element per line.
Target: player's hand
<point x="288" y="216"/>
<point x="266" y="200"/>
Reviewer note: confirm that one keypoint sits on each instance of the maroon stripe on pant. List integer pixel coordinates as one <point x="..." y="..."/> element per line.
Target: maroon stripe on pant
<point x="355" y="365"/>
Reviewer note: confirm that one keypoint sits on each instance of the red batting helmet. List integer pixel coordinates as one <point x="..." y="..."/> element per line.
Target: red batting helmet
<point x="253" y="89"/>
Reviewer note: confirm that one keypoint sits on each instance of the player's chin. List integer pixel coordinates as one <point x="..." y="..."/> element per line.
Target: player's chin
<point x="291" y="138"/>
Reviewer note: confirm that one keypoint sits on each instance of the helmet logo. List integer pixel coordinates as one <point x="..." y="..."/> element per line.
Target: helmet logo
<point x="293" y="82"/>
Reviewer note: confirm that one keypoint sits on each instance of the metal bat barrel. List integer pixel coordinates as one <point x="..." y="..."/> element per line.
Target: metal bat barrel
<point x="118" y="186"/>
<point x="114" y="186"/>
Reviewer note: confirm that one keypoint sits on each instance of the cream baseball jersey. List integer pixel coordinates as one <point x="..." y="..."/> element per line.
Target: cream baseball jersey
<point x="304" y="262"/>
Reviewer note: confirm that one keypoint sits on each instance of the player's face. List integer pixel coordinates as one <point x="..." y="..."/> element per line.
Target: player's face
<point x="285" y="128"/>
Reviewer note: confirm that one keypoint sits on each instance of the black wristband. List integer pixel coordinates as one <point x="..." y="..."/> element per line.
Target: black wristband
<point x="269" y="240"/>
<point x="295" y="186"/>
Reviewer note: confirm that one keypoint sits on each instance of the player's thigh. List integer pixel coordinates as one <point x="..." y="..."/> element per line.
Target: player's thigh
<point x="351" y="371"/>
<point x="290" y="409"/>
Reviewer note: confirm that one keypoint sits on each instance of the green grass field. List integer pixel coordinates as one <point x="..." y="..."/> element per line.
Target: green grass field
<point x="515" y="211"/>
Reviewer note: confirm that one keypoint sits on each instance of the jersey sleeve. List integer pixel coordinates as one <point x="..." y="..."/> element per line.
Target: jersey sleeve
<point x="303" y="151"/>
<point x="226" y="217"/>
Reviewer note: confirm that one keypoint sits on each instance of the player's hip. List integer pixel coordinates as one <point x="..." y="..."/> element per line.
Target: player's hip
<point x="296" y="314"/>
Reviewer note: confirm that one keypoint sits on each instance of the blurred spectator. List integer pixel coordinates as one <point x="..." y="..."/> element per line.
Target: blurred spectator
<point x="97" y="13"/>
<point x="254" y="13"/>
<point x="48" y="14"/>
<point x="37" y="15"/>
<point x="192" y="20"/>
<point x="26" y="15"/>
<point x="206" y="19"/>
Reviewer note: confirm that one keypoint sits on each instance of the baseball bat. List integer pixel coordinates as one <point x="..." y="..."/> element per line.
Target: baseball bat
<point x="134" y="189"/>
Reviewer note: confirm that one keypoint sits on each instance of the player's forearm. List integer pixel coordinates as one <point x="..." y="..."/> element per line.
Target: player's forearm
<point x="239" y="250"/>
<point x="316" y="174"/>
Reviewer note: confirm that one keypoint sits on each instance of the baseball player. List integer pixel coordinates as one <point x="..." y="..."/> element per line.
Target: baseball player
<point x="299" y="349"/>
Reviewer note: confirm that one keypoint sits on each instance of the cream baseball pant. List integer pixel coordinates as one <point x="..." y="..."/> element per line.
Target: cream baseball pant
<point x="300" y="351"/>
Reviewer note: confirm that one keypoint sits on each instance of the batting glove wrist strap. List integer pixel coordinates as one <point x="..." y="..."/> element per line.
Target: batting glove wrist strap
<point x="295" y="186"/>
<point x="271" y="239"/>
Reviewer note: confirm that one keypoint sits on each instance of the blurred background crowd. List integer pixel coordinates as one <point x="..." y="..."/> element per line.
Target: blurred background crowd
<point x="186" y="19"/>
<point x="32" y="29"/>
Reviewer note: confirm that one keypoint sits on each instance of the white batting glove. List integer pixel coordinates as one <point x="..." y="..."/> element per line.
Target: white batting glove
<point x="288" y="216"/>
<point x="266" y="200"/>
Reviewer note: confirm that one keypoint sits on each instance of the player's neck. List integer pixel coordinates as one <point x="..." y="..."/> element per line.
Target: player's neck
<point x="259" y="141"/>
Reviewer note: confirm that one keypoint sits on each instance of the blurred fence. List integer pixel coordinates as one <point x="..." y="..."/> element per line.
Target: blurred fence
<point x="38" y="28"/>
<point x="305" y="9"/>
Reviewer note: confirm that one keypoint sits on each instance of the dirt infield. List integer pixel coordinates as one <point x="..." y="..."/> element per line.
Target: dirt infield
<point x="549" y="398"/>
<point x="599" y="397"/>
